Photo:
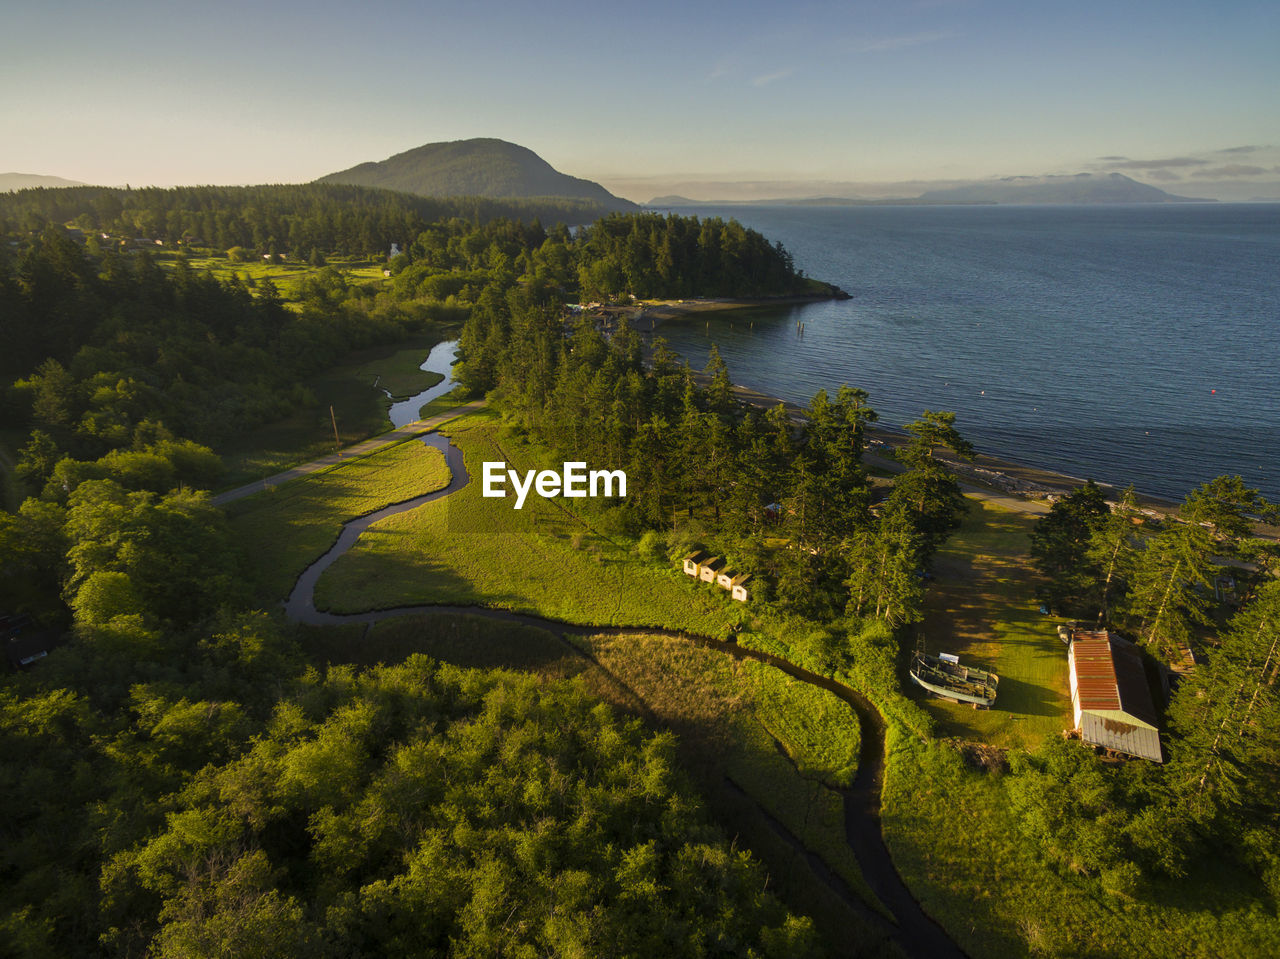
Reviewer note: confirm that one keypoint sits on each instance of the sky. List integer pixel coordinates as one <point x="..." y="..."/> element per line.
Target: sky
<point x="650" y="98"/>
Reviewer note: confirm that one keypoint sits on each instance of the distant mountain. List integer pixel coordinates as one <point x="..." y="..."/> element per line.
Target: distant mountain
<point x="1081" y="188"/>
<point x="676" y="200"/>
<point x="26" y="181"/>
<point x="480" y="167"/>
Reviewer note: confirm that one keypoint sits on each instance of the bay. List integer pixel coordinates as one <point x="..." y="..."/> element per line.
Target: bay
<point x="1128" y="344"/>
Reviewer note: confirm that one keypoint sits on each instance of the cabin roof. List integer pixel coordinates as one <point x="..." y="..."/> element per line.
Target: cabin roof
<point x="697" y="556"/>
<point x="1110" y="676"/>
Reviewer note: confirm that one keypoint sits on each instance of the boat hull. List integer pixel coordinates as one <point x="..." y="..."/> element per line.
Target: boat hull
<point x="976" y="687"/>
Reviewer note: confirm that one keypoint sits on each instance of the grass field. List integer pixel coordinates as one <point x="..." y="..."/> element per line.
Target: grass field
<point x="284" y="530"/>
<point x="359" y="407"/>
<point x="982" y="607"/>
<point x="286" y="276"/>
<point x="400" y="373"/>
<point x="444" y="402"/>
<point x="541" y="559"/>
<point x="955" y="840"/>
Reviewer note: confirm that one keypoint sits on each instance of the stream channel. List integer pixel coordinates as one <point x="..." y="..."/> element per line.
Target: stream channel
<point x="439" y="360"/>
<point x="914" y="930"/>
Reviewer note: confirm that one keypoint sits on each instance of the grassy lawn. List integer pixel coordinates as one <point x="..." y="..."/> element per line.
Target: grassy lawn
<point x="541" y="559"/>
<point x="359" y="407"/>
<point x="982" y="607"/>
<point x="955" y="840"/>
<point x="282" y="531"/>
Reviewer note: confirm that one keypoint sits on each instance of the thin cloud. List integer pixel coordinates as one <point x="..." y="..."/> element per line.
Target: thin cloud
<point x="892" y="44"/>
<point x="1157" y="164"/>
<point x="768" y="78"/>
<point x="1241" y="150"/>
<point x="1230" y="170"/>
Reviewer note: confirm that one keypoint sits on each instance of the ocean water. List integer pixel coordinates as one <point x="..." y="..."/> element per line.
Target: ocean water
<point x="1131" y="344"/>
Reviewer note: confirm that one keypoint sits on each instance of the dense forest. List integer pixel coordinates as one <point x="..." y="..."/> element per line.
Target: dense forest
<point x="290" y="219"/>
<point x="179" y="778"/>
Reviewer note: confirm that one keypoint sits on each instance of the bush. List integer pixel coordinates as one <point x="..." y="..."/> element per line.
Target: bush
<point x="652" y="546"/>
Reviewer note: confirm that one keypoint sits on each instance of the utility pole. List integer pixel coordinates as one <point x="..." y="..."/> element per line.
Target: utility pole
<point x="336" y="442"/>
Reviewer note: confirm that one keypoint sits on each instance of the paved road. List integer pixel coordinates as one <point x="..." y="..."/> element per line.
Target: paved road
<point x="363" y="448"/>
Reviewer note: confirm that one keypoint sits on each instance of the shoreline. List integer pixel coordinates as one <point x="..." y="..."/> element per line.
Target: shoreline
<point x="987" y="471"/>
<point x="648" y="315"/>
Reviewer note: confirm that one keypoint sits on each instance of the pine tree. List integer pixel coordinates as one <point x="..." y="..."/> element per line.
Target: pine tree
<point x="1226" y="715"/>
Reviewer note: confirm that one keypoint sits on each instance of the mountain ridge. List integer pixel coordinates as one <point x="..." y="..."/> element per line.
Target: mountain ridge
<point x="482" y="166"/>
<point x="10" y="182"/>
<point x="1080" y="188"/>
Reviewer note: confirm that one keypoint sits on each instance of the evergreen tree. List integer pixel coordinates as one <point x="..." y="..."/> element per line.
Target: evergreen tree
<point x="1059" y="544"/>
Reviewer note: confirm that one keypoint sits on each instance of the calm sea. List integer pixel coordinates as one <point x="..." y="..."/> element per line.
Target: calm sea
<point x="1125" y="344"/>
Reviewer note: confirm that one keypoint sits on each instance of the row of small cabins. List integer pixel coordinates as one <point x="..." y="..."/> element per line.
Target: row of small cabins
<point x="714" y="569"/>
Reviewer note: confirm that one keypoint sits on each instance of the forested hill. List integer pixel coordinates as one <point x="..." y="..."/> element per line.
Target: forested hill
<point x="281" y="218"/>
<point x="479" y="167"/>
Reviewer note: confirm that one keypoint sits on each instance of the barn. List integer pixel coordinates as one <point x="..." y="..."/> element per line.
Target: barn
<point x="1110" y="698"/>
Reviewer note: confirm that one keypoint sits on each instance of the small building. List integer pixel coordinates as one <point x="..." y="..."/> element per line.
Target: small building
<point x="711" y="569"/>
<point x="1110" y="698"/>
<point x="738" y="587"/>
<point x="693" y="563"/>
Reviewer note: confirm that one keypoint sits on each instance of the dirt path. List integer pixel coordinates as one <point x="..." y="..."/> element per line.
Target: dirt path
<point x="915" y="931"/>
<point x="372" y="445"/>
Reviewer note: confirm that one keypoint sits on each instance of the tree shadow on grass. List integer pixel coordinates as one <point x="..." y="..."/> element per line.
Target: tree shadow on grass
<point x="386" y="580"/>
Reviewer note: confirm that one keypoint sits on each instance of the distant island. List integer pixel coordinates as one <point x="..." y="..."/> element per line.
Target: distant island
<point x="483" y="167"/>
<point x="1082" y="188"/>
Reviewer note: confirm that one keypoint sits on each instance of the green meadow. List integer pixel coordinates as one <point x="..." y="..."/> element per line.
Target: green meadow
<point x="284" y="529"/>
<point x="543" y="559"/>
<point x="982" y="607"/>
<point x="286" y="276"/>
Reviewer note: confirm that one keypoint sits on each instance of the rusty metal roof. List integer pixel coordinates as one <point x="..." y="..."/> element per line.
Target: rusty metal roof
<point x="1110" y="676"/>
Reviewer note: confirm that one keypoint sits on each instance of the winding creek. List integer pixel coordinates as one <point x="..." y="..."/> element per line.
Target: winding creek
<point x="439" y="360"/>
<point x="914" y="930"/>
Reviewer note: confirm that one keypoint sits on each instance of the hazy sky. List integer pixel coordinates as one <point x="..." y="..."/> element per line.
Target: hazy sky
<point x="645" y="94"/>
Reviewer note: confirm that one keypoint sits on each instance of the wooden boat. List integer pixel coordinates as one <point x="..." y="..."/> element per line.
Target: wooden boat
<point x="944" y="676"/>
